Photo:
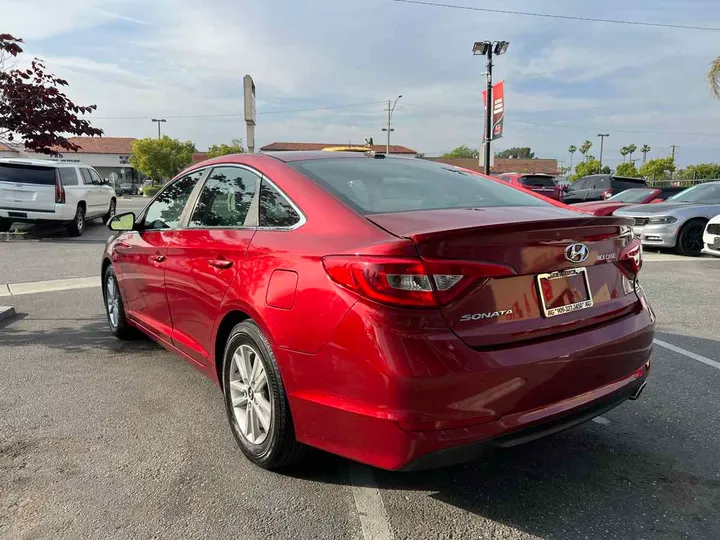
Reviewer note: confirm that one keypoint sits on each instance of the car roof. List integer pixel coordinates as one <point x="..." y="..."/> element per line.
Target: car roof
<point x="303" y="155"/>
<point x="40" y="162"/>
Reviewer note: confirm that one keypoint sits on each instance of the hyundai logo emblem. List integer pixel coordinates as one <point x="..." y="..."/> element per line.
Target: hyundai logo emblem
<point x="577" y="253"/>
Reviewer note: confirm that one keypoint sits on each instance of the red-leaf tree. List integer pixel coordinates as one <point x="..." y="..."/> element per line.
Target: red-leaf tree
<point x="33" y="108"/>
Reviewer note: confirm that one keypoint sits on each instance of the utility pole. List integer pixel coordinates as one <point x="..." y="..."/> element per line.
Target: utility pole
<point x="674" y="146"/>
<point x="159" y="121"/>
<point x="602" y="141"/>
<point x="389" y="119"/>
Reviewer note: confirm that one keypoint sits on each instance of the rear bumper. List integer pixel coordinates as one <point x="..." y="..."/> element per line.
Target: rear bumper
<point x="61" y="212"/>
<point x="407" y="394"/>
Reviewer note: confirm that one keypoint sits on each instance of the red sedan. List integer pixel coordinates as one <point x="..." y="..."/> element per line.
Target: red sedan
<point x="542" y="184"/>
<point x="398" y="312"/>
<point x="628" y="197"/>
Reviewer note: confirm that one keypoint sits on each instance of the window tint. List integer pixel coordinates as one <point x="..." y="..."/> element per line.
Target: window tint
<point x="68" y="175"/>
<point x="275" y="209"/>
<point x="601" y="182"/>
<point x="86" y="176"/>
<point x="504" y="177"/>
<point x="165" y="211"/>
<point x="226" y="198"/>
<point x="96" y="180"/>
<point x="627" y="184"/>
<point x="537" y="180"/>
<point x="583" y="183"/>
<point x="373" y="185"/>
<point x="27" y="174"/>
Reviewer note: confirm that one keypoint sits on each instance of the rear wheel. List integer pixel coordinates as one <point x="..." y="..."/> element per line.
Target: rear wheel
<point x="111" y="211"/>
<point x="255" y="400"/>
<point x="5" y="225"/>
<point x="77" y="226"/>
<point x="690" y="239"/>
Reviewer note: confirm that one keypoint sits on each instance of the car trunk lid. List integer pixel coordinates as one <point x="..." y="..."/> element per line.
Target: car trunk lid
<point x="25" y="187"/>
<point x="536" y="243"/>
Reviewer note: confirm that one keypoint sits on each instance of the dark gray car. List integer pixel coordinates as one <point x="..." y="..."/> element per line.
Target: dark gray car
<point x="599" y="187"/>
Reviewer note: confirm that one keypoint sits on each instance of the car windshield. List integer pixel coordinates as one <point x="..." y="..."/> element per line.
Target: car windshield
<point x="632" y="195"/>
<point x="537" y="180"/>
<point x="702" y="193"/>
<point x="373" y="186"/>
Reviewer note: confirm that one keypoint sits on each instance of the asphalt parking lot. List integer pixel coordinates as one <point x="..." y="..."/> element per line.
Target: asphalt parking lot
<point x="108" y="439"/>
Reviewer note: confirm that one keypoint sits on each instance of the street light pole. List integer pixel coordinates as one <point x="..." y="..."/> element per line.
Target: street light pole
<point x="389" y="119"/>
<point x="602" y="141"/>
<point x="159" y="121"/>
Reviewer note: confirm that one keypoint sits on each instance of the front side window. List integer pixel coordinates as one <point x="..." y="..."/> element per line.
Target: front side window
<point x="372" y="185"/>
<point x="226" y="199"/>
<point x="275" y="209"/>
<point x="166" y="209"/>
<point x="583" y="183"/>
<point x="96" y="180"/>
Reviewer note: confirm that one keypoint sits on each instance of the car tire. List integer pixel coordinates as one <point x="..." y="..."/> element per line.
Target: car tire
<point x="271" y="443"/>
<point x="5" y="225"/>
<point x="77" y="226"/>
<point x="111" y="211"/>
<point x="690" y="238"/>
<point x="115" y="307"/>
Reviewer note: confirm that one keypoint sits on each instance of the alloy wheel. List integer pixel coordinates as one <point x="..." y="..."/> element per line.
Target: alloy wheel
<point x="250" y="394"/>
<point x="112" y="299"/>
<point x="112" y="208"/>
<point x="693" y="241"/>
<point x="80" y="220"/>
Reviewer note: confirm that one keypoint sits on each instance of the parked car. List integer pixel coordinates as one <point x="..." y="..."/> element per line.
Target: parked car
<point x="127" y="188"/>
<point x="600" y="187"/>
<point x="397" y="312"/>
<point x="537" y="182"/>
<point x="711" y="238"/>
<point x="44" y="191"/>
<point x="680" y="221"/>
<point x="628" y="197"/>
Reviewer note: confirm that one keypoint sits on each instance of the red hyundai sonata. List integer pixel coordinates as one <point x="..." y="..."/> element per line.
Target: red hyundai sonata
<point x="398" y="312"/>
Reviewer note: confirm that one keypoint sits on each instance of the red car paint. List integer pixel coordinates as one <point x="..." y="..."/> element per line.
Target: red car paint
<point x="394" y="379"/>
<point x="606" y="208"/>
<point x="542" y="184"/>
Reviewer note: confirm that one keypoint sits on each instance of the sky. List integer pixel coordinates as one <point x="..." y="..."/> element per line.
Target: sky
<point x="566" y="81"/>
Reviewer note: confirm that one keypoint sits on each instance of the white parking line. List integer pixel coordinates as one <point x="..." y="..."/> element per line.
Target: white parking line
<point x="369" y="503"/>
<point x="689" y="354"/>
<point x="34" y="287"/>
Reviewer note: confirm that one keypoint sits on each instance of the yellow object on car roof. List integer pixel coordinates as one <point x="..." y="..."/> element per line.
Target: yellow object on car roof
<point x="346" y="149"/>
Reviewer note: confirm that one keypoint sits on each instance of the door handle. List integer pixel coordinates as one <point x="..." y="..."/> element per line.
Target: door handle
<point x="157" y="258"/>
<point x="222" y="264"/>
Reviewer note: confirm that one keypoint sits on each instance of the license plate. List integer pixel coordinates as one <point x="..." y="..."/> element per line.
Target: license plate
<point x="19" y="196"/>
<point x="564" y="291"/>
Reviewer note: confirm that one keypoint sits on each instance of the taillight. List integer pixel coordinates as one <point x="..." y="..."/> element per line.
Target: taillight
<point x="607" y="194"/>
<point x="409" y="282"/>
<point x="59" y="189"/>
<point x="630" y="258"/>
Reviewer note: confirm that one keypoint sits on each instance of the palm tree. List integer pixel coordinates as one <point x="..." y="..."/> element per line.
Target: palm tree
<point x="631" y="150"/>
<point x="645" y="151"/>
<point x="624" y="151"/>
<point x="585" y="148"/>
<point x="714" y="77"/>
<point x="572" y="150"/>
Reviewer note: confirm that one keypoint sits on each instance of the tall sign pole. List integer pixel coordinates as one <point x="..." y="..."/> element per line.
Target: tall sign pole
<point x="488" y="111"/>
<point x="249" y="101"/>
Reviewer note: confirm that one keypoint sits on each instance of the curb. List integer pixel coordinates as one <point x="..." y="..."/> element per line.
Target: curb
<point x="6" y="312"/>
<point x="30" y="235"/>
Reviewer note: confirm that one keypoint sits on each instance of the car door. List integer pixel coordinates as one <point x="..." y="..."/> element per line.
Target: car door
<point x="140" y="257"/>
<point x="577" y="191"/>
<point x="88" y="193"/>
<point x="204" y="257"/>
<point x="102" y="193"/>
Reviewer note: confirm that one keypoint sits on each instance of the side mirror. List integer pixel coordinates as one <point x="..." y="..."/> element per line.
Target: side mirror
<point x="122" y="222"/>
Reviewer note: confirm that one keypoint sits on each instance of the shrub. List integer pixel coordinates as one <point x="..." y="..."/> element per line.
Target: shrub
<point x="149" y="191"/>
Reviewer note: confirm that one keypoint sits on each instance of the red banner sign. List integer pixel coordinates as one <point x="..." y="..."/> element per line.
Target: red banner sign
<point x="498" y="121"/>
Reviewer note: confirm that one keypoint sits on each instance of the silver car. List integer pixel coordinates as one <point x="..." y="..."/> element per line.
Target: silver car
<point x="679" y="222"/>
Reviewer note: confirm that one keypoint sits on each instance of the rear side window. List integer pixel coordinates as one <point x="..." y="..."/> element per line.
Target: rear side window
<point x="69" y="176"/>
<point x="627" y="184"/>
<point x="27" y="174"/>
<point x="601" y="182"/>
<point x="86" y="177"/>
<point x="373" y="186"/>
<point x="275" y="209"/>
<point x="537" y="180"/>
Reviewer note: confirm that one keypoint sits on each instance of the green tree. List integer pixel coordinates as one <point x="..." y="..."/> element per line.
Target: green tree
<point x="586" y="168"/>
<point x="658" y="169"/>
<point x="521" y="152"/>
<point x="606" y="170"/>
<point x="235" y="147"/>
<point x="714" y="77"/>
<point x="161" y="158"/>
<point x="624" y="151"/>
<point x="631" y="150"/>
<point x="572" y="149"/>
<point x="462" y="152"/>
<point x="701" y="171"/>
<point x="585" y="148"/>
<point x="627" y="169"/>
<point x="645" y="151"/>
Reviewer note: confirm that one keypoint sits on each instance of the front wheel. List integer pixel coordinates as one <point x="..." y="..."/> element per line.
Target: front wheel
<point x="111" y="211"/>
<point x="690" y="238"/>
<point x="115" y="307"/>
<point x="255" y="400"/>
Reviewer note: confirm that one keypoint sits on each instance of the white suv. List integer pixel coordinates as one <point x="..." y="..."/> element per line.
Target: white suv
<point x="37" y="190"/>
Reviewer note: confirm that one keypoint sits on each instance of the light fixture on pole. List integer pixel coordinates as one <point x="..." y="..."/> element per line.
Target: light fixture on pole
<point x="388" y="128"/>
<point x="159" y="121"/>
<point x="487" y="49"/>
<point x="602" y="144"/>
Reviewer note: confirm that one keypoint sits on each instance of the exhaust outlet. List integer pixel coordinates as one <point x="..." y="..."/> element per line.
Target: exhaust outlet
<point x="639" y="391"/>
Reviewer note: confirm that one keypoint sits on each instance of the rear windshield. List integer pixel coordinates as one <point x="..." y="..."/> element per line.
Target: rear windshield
<point x="632" y="195"/>
<point x="27" y="174"/>
<point x="375" y="186"/>
<point x="540" y="181"/>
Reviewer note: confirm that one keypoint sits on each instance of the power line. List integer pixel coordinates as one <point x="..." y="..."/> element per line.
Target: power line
<point x="289" y="111"/>
<point x="566" y="17"/>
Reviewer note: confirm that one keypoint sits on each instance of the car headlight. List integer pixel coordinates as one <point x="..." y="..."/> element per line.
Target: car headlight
<point x="662" y="220"/>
